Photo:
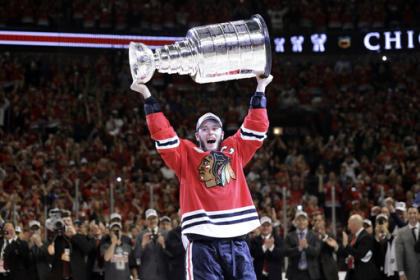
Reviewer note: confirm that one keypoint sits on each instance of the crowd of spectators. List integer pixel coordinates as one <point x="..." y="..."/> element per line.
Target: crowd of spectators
<point x="387" y="242"/>
<point x="158" y="16"/>
<point x="66" y="125"/>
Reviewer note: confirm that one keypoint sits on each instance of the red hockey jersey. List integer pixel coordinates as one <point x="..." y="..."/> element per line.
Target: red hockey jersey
<point x="214" y="197"/>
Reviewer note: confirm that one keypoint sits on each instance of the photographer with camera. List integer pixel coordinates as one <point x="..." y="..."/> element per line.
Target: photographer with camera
<point x="385" y="256"/>
<point x="38" y="253"/>
<point x="106" y="239"/>
<point x="60" y="246"/>
<point x="15" y="254"/>
<point x="395" y="221"/>
<point x="150" y="250"/>
<point x="69" y="247"/>
<point x="116" y="218"/>
<point x="118" y="255"/>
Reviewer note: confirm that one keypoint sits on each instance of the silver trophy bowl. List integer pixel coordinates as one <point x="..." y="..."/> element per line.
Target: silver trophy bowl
<point x="211" y="53"/>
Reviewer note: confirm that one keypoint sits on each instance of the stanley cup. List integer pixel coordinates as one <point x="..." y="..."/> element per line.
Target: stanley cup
<point x="211" y="53"/>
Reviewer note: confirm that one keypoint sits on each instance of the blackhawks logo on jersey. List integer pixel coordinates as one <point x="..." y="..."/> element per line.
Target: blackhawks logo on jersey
<point x="215" y="170"/>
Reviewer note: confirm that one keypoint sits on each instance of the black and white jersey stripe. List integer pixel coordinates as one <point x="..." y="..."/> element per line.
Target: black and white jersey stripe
<point x="220" y="223"/>
<point x="248" y="134"/>
<point x="167" y="143"/>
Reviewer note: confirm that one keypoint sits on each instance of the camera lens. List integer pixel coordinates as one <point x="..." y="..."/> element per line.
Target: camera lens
<point x="59" y="225"/>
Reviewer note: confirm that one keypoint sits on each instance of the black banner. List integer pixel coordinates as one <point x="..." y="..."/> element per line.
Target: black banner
<point x="342" y="42"/>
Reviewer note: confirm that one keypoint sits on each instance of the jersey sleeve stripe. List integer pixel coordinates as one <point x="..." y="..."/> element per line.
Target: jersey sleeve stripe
<point x="247" y="134"/>
<point x="167" y="143"/>
<point x="254" y="132"/>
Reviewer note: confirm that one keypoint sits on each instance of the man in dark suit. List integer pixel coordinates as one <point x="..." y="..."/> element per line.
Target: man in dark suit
<point x="177" y="254"/>
<point x="385" y="258"/>
<point x="328" y="265"/>
<point x="16" y="254"/>
<point x="361" y="265"/>
<point x="302" y="247"/>
<point x="268" y="252"/>
<point x="68" y="251"/>
<point x="408" y="259"/>
<point x="5" y="237"/>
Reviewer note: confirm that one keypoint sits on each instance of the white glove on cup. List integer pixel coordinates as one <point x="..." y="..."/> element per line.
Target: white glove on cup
<point x="263" y="82"/>
<point x="141" y="88"/>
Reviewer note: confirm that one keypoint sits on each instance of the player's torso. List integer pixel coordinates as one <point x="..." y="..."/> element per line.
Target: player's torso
<point x="213" y="180"/>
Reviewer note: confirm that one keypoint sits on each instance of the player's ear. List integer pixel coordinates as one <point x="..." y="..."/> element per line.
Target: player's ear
<point x="223" y="135"/>
<point x="196" y="137"/>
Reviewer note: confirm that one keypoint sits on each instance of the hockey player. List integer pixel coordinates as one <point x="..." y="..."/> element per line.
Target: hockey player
<point x="216" y="205"/>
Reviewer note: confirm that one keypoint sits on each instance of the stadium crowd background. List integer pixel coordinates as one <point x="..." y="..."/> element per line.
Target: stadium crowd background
<point x="167" y="17"/>
<point x="70" y="117"/>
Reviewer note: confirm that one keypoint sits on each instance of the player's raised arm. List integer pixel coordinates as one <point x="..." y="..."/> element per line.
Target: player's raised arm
<point x="253" y="131"/>
<point x="166" y="140"/>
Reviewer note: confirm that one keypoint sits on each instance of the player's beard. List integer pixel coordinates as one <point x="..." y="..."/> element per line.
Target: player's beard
<point x="203" y="144"/>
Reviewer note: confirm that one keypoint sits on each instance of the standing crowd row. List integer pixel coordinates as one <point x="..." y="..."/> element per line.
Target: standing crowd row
<point x="385" y="245"/>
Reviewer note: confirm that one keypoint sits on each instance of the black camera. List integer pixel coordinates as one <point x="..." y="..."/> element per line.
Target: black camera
<point x="4" y="232"/>
<point x="55" y="221"/>
<point x="117" y="233"/>
<point x="381" y="221"/>
<point x="59" y="226"/>
<point x="154" y="236"/>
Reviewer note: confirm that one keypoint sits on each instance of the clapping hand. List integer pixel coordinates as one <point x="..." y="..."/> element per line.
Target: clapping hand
<point x="303" y="243"/>
<point x="345" y="239"/>
<point x="331" y="242"/>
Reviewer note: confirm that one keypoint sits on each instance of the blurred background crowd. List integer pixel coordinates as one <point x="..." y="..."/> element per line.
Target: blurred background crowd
<point x="158" y="16"/>
<point x="71" y="130"/>
<point x="73" y="121"/>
